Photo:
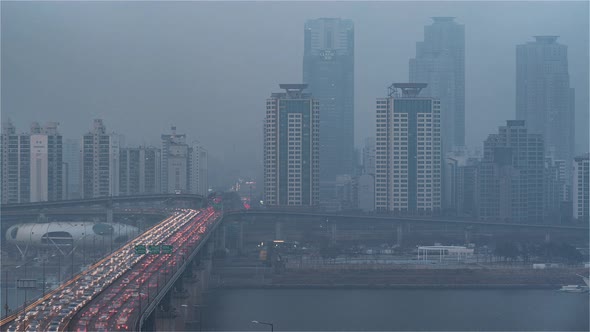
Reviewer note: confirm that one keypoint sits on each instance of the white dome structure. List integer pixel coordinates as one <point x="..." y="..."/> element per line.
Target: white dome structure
<point x="69" y="233"/>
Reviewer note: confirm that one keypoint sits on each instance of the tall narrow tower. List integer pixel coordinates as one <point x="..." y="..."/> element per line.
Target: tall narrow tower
<point x="544" y="98"/>
<point x="291" y="148"/>
<point x="328" y="69"/>
<point x="440" y="62"/>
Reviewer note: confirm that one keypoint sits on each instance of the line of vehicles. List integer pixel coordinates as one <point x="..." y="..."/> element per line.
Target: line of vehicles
<point x="119" y="280"/>
<point x="122" y="304"/>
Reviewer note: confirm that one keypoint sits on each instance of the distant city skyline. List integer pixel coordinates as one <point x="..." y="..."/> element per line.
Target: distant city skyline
<point x="62" y="63"/>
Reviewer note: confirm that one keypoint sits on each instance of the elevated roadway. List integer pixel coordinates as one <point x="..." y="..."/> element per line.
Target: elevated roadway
<point x="398" y="219"/>
<point x="104" y="201"/>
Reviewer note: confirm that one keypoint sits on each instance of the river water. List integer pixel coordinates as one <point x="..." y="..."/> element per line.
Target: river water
<point x="396" y="309"/>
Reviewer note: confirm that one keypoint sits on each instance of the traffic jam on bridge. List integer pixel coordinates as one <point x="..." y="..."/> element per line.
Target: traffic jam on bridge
<point x="115" y="292"/>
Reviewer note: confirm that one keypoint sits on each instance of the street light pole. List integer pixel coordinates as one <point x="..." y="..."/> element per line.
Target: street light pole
<point x="6" y="292"/>
<point x="43" y="258"/>
<point x="264" y="323"/>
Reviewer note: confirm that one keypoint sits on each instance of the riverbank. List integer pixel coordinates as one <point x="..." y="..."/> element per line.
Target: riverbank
<point x="399" y="278"/>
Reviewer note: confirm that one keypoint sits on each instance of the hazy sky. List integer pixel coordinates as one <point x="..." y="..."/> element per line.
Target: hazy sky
<point x="209" y="67"/>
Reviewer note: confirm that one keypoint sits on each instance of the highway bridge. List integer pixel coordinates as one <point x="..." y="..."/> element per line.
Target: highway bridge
<point x="121" y="291"/>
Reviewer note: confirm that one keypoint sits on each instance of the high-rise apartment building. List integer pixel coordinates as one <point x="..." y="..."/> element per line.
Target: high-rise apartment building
<point x="291" y="148"/>
<point x="72" y="156"/>
<point x="15" y="163"/>
<point x="328" y="69"/>
<point x="544" y="98"/>
<point x="175" y="163"/>
<point x="184" y="166"/>
<point x="581" y="193"/>
<point x="139" y="171"/>
<point x="511" y="175"/>
<point x="46" y="163"/>
<point x="198" y="163"/>
<point x="440" y="62"/>
<point x="100" y="162"/>
<point x="408" y="151"/>
<point x="460" y="178"/>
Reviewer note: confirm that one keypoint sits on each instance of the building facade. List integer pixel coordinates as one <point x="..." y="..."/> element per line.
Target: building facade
<point x="139" y="171"/>
<point x="581" y="186"/>
<point x="460" y="185"/>
<point x="71" y="157"/>
<point x="291" y="148"/>
<point x="511" y="176"/>
<point x="175" y="163"/>
<point x="328" y="69"/>
<point x="46" y="163"/>
<point x="408" y="151"/>
<point x="198" y="176"/>
<point x="440" y="62"/>
<point x="544" y="98"/>
<point x="100" y="162"/>
<point x="15" y="163"/>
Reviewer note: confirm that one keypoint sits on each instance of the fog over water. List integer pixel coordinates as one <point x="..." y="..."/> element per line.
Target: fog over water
<point x="208" y="67"/>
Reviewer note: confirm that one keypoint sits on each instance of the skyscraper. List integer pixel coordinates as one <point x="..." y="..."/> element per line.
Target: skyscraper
<point x="291" y="148"/>
<point x="544" y="98"/>
<point x="440" y="62"/>
<point x="511" y="175"/>
<point x="46" y="163"/>
<point x="15" y="163"/>
<point x="581" y="191"/>
<point x="100" y="162"/>
<point x="408" y="151"/>
<point x="328" y="69"/>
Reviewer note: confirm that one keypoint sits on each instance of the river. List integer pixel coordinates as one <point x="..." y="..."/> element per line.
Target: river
<point x="396" y="309"/>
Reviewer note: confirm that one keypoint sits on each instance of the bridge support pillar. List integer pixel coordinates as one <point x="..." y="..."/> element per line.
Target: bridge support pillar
<point x="278" y="230"/>
<point x="399" y="234"/>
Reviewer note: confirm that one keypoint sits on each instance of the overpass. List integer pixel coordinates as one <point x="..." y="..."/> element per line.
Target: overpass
<point x="105" y="206"/>
<point x="401" y="219"/>
<point x="340" y="225"/>
<point x="104" y="201"/>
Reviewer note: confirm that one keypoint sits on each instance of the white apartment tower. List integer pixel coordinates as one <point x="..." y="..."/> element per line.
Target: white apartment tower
<point x="408" y="151"/>
<point x="46" y="163"/>
<point x="15" y="164"/>
<point x="198" y="159"/>
<point x="100" y="162"/>
<point x="291" y="148"/>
